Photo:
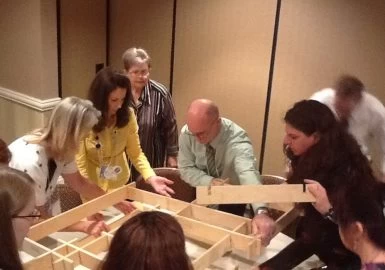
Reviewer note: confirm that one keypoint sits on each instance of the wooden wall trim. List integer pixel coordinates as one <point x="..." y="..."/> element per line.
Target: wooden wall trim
<point x="37" y="104"/>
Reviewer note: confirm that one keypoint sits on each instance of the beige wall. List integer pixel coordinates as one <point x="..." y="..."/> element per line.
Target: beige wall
<point x="222" y="52"/>
<point x="18" y="120"/>
<point x="83" y="43"/>
<point x="28" y="47"/>
<point x="146" y="24"/>
<point x="28" y="42"/>
<point x="225" y="57"/>
<point x="317" y="42"/>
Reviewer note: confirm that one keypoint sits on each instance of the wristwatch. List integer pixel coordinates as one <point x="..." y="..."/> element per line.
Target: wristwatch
<point x="262" y="210"/>
<point x="330" y="215"/>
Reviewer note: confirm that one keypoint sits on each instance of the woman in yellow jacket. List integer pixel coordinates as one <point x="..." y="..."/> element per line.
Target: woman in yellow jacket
<point x="102" y="156"/>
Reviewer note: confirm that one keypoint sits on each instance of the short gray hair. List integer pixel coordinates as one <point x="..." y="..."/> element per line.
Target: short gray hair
<point x="130" y="57"/>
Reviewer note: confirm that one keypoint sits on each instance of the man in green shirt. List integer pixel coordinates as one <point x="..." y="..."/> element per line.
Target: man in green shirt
<point x="214" y="150"/>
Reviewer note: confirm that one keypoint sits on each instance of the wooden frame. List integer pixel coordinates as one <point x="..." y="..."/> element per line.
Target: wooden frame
<point x="220" y="232"/>
<point x="253" y="194"/>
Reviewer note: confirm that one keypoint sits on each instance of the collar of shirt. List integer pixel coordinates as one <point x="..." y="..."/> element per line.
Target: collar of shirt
<point x="218" y="139"/>
<point x="145" y="97"/>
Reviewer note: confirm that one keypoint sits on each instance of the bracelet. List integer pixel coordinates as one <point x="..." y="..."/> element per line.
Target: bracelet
<point x="330" y="215"/>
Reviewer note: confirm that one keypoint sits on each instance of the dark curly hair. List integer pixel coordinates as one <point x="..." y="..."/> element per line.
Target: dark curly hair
<point x="106" y="81"/>
<point x="336" y="150"/>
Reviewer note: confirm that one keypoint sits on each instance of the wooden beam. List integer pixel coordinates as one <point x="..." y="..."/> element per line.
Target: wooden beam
<point x="252" y="194"/>
<point x="65" y="219"/>
<point x="213" y="217"/>
<point x="283" y="221"/>
<point x="156" y="199"/>
<point x="213" y="253"/>
<point x="211" y="234"/>
<point x="45" y="261"/>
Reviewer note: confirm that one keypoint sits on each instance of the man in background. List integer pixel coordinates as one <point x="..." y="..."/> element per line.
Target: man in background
<point x="360" y="112"/>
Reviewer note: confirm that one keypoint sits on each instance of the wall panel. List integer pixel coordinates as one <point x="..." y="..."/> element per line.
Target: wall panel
<point x="83" y="43"/>
<point x="146" y="24"/>
<point x="28" y="47"/>
<point x="317" y="41"/>
<point x="222" y="52"/>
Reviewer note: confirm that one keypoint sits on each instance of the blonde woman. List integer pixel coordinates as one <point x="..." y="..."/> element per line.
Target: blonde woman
<point x="49" y="152"/>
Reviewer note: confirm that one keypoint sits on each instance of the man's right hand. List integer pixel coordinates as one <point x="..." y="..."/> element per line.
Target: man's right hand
<point x="219" y="182"/>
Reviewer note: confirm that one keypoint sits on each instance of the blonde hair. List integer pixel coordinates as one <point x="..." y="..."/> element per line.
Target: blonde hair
<point x="130" y="57"/>
<point x="70" y="121"/>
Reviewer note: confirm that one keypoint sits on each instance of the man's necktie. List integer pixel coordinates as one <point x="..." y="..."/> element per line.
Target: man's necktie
<point x="210" y="155"/>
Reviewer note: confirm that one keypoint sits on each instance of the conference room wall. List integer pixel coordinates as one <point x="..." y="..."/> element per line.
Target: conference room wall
<point x="317" y="41"/>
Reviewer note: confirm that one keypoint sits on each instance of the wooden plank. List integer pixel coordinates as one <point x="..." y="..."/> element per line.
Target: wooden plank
<point x="213" y="217"/>
<point x="213" y="253"/>
<point x="42" y="262"/>
<point x="65" y="219"/>
<point x="244" y="228"/>
<point x="83" y="257"/>
<point x="200" y="231"/>
<point x="33" y="248"/>
<point x="283" y="221"/>
<point x="64" y="264"/>
<point x="210" y="234"/>
<point x="156" y="199"/>
<point x="114" y="226"/>
<point x="98" y="245"/>
<point x="252" y="194"/>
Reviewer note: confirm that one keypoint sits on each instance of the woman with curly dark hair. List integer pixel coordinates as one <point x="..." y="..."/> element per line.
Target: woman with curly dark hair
<point x="319" y="148"/>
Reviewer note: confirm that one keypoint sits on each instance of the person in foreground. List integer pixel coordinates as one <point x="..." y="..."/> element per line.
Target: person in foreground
<point x="18" y="213"/>
<point x="103" y="153"/>
<point x="148" y="241"/>
<point x="318" y="148"/>
<point x="359" y="211"/>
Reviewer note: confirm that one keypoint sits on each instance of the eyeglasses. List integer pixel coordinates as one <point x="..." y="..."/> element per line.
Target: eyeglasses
<point x="35" y="215"/>
<point x="140" y="73"/>
<point x="205" y="132"/>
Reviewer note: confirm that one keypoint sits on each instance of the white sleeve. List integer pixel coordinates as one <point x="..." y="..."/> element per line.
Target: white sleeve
<point x="36" y="172"/>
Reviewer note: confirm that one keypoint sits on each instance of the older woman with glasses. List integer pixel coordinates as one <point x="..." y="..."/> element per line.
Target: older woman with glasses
<point x="18" y="213"/>
<point x="154" y="111"/>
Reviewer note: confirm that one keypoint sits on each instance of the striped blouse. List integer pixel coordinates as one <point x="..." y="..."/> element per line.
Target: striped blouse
<point x="157" y="124"/>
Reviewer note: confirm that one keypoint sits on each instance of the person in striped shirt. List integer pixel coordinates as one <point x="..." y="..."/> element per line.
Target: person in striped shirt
<point x="154" y="110"/>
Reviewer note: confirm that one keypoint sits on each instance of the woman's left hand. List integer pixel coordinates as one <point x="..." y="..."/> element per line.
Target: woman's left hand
<point x="322" y="203"/>
<point x="160" y="185"/>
